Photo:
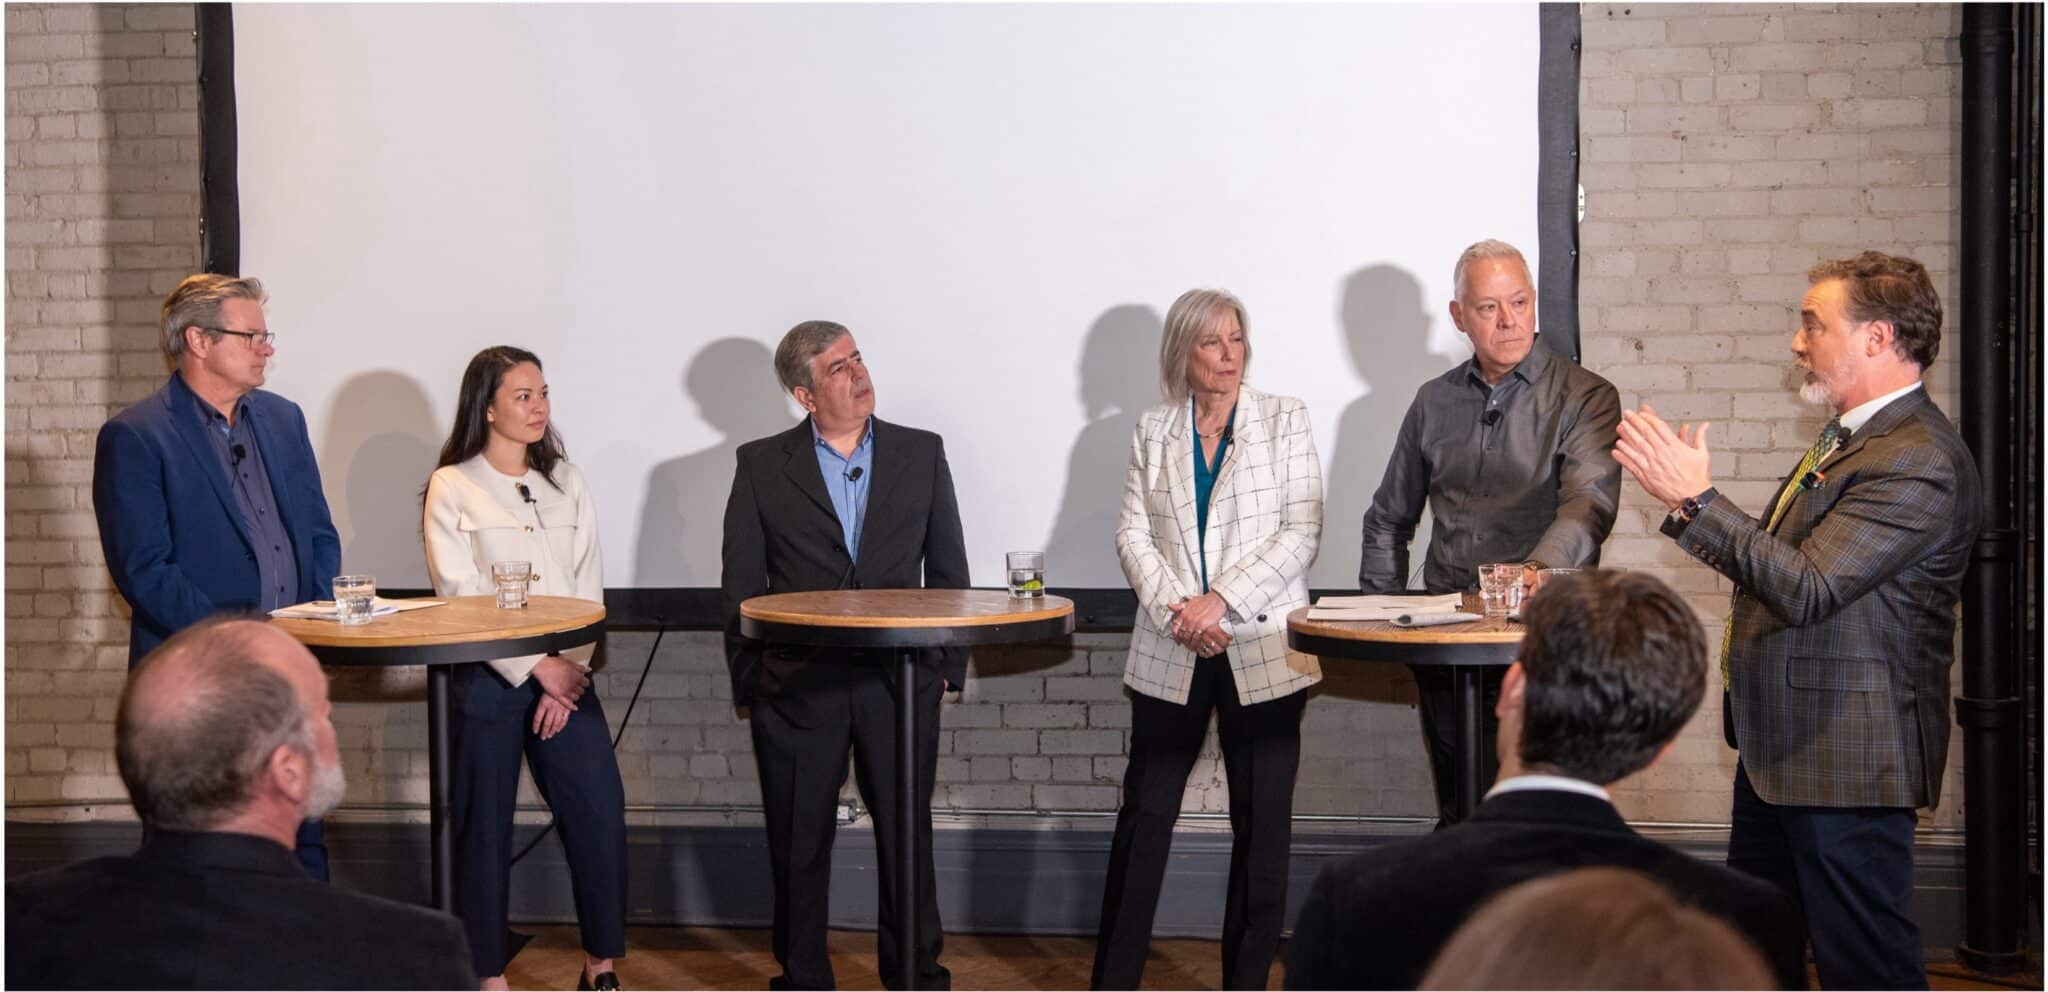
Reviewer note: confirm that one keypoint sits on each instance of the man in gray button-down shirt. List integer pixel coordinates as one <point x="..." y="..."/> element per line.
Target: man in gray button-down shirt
<point x="1510" y="452"/>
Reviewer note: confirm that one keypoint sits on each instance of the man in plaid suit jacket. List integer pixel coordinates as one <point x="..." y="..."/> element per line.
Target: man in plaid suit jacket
<point x="1836" y="655"/>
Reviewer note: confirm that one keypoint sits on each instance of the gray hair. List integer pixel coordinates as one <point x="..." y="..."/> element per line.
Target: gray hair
<point x="1481" y="251"/>
<point x="199" y="719"/>
<point x="804" y="342"/>
<point x="1186" y="321"/>
<point x="196" y="303"/>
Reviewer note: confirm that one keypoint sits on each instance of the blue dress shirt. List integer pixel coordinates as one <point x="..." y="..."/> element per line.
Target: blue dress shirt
<point x="848" y="487"/>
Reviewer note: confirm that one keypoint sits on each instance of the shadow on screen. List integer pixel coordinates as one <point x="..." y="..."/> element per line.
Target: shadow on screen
<point x="382" y="439"/>
<point x="732" y="382"/>
<point x="1386" y="325"/>
<point x="1119" y="378"/>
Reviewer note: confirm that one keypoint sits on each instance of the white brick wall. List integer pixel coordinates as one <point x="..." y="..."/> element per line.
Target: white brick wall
<point x="102" y="195"/>
<point x="1726" y="148"/>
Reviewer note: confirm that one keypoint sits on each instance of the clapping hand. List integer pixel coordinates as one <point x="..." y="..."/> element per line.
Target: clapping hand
<point x="1671" y="466"/>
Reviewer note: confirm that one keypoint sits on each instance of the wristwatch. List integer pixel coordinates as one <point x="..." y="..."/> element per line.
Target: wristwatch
<point x="1690" y="508"/>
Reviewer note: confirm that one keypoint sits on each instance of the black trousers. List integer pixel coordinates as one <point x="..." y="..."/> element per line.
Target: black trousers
<point x="1261" y="752"/>
<point x="577" y="776"/>
<point x="801" y="740"/>
<point x="1438" y="704"/>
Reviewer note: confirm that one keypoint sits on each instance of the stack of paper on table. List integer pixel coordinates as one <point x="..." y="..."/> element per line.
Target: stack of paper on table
<point x="324" y="609"/>
<point x="1382" y="607"/>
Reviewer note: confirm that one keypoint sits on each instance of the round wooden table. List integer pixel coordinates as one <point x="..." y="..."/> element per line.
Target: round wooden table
<point x="463" y="629"/>
<point x="1466" y="648"/>
<point x="905" y="620"/>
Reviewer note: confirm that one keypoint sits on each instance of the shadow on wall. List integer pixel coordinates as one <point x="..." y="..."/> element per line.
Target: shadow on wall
<point x="1386" y="325"/>
<point x="732" y="382"/>
<point x="382" y="440"/>
<point x="1119" y="378"/>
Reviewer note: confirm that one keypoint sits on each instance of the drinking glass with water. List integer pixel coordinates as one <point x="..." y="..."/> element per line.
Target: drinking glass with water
<point x="1500" y="588"/>
<point x="1027" y="573"/>
<point x="354" y="597"/>
<point x="512" y="577"/>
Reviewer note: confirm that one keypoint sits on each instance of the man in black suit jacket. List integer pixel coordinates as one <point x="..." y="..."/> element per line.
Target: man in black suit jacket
<point x="225" y="743"/>
<point x="1613" y="665"/>
<point x="842" y="500"/>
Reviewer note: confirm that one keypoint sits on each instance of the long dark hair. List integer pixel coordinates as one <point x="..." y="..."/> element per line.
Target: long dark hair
<point x="472" y="431"/>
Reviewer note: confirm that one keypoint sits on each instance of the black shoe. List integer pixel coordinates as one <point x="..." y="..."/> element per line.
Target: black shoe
<point x="604" y="980"/>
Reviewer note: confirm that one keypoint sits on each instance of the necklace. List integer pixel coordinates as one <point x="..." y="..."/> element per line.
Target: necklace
<point x="1212" y="435"/>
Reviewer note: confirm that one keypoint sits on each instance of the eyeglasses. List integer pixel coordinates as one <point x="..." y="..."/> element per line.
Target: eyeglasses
<point x="265" y="338"/>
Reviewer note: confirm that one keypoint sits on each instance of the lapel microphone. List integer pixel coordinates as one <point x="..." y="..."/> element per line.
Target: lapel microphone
<point x="1492" y="417"/>
<point x="854" y="476"/>
<point x="239" y="453"/>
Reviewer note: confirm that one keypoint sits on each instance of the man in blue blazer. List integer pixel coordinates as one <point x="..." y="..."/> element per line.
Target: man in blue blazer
<point x="206" y="492"/>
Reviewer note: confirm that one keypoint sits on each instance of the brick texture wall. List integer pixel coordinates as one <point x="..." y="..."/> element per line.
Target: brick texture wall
<point x="1725" y="149"/>
<point x="102" y="195"/>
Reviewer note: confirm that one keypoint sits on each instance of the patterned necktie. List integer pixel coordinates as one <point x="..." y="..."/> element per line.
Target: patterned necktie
<point x="1831" y="437"/>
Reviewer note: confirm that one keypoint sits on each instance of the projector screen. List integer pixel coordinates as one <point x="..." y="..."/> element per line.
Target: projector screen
<point x="1000" y="200"/>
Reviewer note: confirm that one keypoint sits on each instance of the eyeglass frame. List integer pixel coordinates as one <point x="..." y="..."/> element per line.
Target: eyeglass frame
<point x="267" y="339"/>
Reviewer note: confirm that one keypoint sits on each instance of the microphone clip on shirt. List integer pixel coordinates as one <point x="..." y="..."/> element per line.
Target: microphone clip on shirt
<point x="526" y="495"/>
<point x="855" y="474"/>
<point x="238" y="452"/>
<point x="1491" y="418"/>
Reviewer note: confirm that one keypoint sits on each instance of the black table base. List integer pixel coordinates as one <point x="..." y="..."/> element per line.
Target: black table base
<point x="907" y="641"/>
<point x="440" y="755"/>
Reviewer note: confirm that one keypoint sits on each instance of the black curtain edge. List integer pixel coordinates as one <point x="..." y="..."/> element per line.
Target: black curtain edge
<point x="1557" y="177"/>
<point x="220" y="218"/>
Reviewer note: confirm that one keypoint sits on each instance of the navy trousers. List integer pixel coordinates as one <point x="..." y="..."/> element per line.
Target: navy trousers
<point x="577" y="776"/>
<point x="1851" y="870"/>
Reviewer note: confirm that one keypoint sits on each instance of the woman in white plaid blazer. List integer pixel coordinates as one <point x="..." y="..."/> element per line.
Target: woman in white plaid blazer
<point x="1222" y="513"/>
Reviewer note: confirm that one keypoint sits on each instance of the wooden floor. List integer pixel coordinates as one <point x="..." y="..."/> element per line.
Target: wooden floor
<point x="706" y="958"/>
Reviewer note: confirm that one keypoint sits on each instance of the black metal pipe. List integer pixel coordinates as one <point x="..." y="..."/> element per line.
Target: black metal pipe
<point x="2027" y="269"/>
<point x="1989" y="709"/>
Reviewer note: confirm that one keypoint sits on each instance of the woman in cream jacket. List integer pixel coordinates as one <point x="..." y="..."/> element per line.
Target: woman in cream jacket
<point x="1222" y="514"/>
<point x="503" y="492"/>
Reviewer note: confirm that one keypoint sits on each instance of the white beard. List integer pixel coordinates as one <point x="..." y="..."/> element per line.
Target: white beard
<point x="328" y="787"/>
<point x="1815" y="393"/>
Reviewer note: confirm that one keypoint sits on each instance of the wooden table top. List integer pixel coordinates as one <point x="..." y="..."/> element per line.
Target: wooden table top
<point x="1486" y="631"/>
<point x="903" y="608"/>
<point x="459" y="620"/>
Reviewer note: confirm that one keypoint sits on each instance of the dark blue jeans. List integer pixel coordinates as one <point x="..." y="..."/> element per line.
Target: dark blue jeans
<point x="1851" y="870"/>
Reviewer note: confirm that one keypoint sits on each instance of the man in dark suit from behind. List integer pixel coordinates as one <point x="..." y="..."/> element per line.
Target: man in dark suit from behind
<point x="842" y="500"/>
<point x="225" y="743"/>
<point x="1612" y="667"/>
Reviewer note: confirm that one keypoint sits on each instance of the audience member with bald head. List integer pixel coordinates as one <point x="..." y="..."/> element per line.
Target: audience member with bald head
<point x="225" y="745"/>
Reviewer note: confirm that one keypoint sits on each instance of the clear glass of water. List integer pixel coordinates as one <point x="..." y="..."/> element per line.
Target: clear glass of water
<point x="1027" y="573"/>
<point x="1500" y="588"/>
<point x="354" y="597"/>
<point x="511" y="578"/>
